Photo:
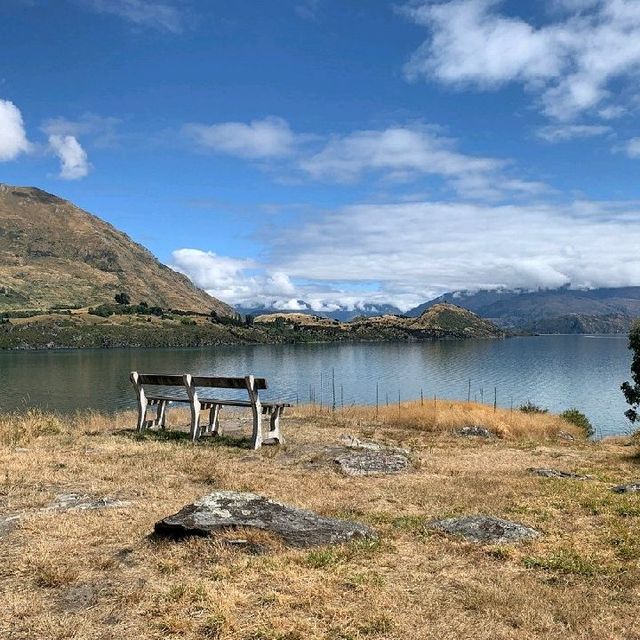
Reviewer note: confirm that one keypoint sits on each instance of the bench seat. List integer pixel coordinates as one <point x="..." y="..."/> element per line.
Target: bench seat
<point x="197" y="402"/>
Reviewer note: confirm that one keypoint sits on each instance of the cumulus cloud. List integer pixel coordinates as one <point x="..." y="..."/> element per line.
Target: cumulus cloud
<point x="152" y="14"/>
<point x="231" y="279"/>
<point x="257" y="140"/>
<point x="13" y="137"/>
<point x="74" y="163"/>
<point x="571" y="63"/>
<point x="409" y="152"/>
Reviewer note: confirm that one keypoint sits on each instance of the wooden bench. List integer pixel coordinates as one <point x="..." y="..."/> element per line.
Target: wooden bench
<point x="185" y="389"/>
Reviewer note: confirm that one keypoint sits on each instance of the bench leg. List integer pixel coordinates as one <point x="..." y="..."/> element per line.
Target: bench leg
<point x="274" y="425"/>
<point x="195" y="420"/>
<point x="256" y="440"/>
<point x="163" y="417"/>
<point x="142" y="413"/>
<point x="160" y="414"/>
<point x="214" y="420"/>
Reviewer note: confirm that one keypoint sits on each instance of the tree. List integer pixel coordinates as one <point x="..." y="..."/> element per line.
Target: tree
<point x="122" y="298"/>
<point x="632" y="390"/>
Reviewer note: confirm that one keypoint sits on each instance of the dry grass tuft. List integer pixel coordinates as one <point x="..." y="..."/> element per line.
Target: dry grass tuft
<point x="446" y="416"/>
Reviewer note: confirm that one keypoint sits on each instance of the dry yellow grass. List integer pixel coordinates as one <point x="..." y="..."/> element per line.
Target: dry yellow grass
<point x="99" y="574"/>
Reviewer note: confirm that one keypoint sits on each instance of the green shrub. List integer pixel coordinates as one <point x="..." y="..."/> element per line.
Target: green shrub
<point x="187" y="321"/>
<point x="104" y="311"/>
<point x="579" y="420"/>
<point x="529" y="407"/>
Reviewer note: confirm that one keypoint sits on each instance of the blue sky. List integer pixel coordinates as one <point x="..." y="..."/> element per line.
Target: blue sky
<point x="339" y="152"/>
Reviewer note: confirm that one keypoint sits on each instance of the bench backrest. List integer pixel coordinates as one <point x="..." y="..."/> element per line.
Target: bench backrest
<point x="227" y="383"/>
<point x="171" y="380"/>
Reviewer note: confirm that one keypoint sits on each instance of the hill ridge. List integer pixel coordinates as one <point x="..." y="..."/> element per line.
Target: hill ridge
<point x="53" y="253"/>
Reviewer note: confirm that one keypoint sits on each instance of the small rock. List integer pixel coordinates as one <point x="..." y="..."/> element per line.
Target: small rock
<point x="231" y="509"/>
<point x="633" y="487"/>
<point x="565" y="435"/>
<point x="485" y="529"/>
<point x="474" y="431"/>
<point x="556" y="473"/>
<point x="367" y="463"/>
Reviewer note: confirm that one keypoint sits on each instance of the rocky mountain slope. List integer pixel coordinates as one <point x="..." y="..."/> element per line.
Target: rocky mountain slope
<point x="54" y="254"/>
<point x="564" y="310"/>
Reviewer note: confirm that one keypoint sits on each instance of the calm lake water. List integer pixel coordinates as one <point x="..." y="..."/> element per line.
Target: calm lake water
<point x="557" y="372"/>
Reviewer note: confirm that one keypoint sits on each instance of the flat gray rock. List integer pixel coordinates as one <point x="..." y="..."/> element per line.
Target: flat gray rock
<point x="556" y="473"/>
<point x="368" y="463"/>
<point x="485" y="529"/>
<point x="633" y="487"/>
<point x="475" y="431"/>
<point x="231" y="509"/>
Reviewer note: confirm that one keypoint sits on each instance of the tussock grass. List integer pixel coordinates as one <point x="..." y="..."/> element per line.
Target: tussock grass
<point x="101" y="575"/>
<point x="442" y="416"/>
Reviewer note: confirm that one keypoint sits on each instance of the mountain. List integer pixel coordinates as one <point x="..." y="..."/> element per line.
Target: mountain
<point x="343" y="313"/>
<point x="54" y="254"/>
<point x="563" y="310"/>
<point x="442" y="321"/>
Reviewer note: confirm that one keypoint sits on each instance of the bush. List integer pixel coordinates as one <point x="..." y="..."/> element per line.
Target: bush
<point x="529" y="407"/>
<point x="579" y="420"/>
<point x="122" y="298"/>
<point x="188" y="322"/>
<point x="104" y="311"/>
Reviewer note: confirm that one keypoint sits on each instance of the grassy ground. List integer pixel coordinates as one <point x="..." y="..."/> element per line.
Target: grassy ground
<point x="99" y="574"/>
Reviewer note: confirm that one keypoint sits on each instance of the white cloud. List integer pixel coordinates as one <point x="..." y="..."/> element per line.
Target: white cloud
<point x="259" y="139"/>
<point x="570" y="63"/>
<point x="13" y="137"/>
<point x="406" y="253"/>
<point x="74" y="163"/>
<point x="565" y="132"/>
<point x="633" y="148"/>
<point x="231" y="279"/>
<point x="153" y="14"/>
<point x="427" y="248"/>
<point x="406" y="153"/>
<point x="399" y="150"/>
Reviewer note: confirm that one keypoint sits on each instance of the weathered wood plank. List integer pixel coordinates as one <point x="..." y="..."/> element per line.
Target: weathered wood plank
<point x="226" y="383"/>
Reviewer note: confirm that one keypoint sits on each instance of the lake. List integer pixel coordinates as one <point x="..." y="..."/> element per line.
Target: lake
<point x="557" y="372"/>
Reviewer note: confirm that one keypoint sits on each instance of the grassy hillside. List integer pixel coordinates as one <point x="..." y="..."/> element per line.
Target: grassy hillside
<point x="53" y="254"/>
<point x="444" y="321"/>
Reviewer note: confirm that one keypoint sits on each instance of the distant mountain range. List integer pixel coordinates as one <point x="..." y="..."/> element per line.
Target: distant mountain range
<point x="563" y="310"/>
<point x="343" y="313"/>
